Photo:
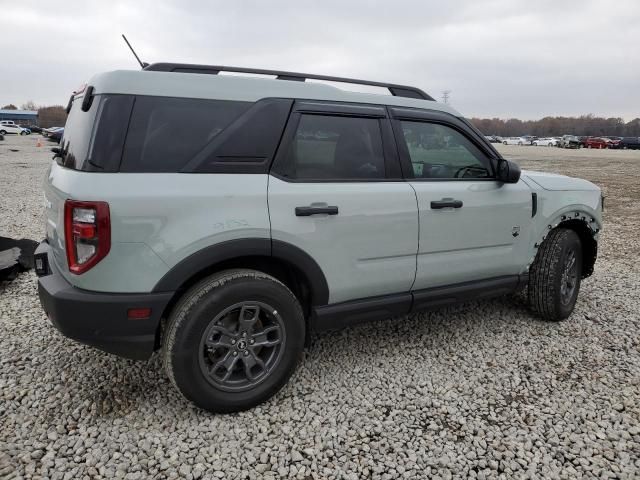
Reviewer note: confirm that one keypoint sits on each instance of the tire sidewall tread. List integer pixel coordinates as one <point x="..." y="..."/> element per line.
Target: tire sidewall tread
<point x="182" y="329"/>
<point x="545" y="275"/>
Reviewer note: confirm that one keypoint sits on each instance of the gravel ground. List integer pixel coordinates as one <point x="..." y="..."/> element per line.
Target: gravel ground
<point x="484" y="390"/>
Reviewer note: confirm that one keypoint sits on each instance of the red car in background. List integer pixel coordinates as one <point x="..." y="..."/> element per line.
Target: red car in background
<point x="596" y="142"/>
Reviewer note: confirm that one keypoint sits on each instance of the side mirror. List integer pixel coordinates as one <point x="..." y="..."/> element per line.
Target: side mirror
<point x="508" y="172"/>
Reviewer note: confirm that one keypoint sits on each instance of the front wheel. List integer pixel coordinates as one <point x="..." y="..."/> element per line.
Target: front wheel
<point x="554" y="276"/>
<point x="233" y="340"/>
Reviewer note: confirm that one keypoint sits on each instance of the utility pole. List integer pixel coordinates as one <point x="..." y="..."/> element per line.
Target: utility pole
<point x="445" y="96"/>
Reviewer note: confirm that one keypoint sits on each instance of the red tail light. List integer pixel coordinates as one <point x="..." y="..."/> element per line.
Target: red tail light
<point x="87" y="231"/>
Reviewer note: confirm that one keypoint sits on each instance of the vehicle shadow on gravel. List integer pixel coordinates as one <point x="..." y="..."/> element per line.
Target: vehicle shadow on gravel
<point x="425" y="347"/>
<point x="116" y="387"/>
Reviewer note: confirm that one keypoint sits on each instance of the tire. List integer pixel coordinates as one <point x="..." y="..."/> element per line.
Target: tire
<point x="22" y="134"/>
<point x="505" y="143"/>
<point x="550" y="144"/>
<point x="3" y="132"/>
<point x="205" y="315"/>
<point x="551" y="293"/>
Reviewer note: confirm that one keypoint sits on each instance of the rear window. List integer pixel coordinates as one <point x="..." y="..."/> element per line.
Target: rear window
<point x="77" y="134"/>
<point x="165" y="133"/>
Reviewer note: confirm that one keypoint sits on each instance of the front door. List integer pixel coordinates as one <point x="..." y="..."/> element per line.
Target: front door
<point x="336" y="192"/>
<point x="472" y="227"/>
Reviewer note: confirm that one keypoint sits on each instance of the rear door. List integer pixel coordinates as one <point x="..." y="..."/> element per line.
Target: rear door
<point x="336" y="192"/>
<point x="472" y="227"/>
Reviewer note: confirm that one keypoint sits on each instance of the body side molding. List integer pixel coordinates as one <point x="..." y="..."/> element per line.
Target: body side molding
<point x="340" y="315"/>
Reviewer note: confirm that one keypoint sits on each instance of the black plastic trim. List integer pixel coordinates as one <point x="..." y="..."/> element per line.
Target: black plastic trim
<point x="463" y="292"/>
<point x="248" y="247"/>
<point x="340" y="315"/>
<point x="100" y="319"/>
<point x="394" y="89"/>
<point x="88" y="99"/>
<point x="340" y="108"/>
<point x="534" y="204"/>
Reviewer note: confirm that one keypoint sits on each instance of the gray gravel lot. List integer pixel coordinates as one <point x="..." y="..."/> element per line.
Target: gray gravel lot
<point x="484" y="390"/>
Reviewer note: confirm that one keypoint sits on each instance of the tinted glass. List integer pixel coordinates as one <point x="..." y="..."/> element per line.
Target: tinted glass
<point x="438" y="151"/>
<point x="249" y="143"/>
<point x="332" y="147"/>
<point x="165" y="133"/>
<point x="77" y="134"/>
<point x="112" y="119"/>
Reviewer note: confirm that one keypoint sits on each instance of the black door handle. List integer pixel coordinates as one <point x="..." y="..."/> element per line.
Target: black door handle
<point x="446" y="203"/>
<point x="308" y="211"/>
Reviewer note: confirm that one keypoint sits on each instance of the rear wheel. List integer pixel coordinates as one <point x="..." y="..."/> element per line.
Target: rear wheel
<point x="3" y="132"/>
<point x="554" y="276"/>
<point x="233" y="340"/>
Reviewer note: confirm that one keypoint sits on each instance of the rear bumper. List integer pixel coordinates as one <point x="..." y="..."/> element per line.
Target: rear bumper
<point x="95" y="318"/>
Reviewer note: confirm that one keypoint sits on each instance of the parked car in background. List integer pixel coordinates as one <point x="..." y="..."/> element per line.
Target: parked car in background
<point x="596" y="142"/>
<point x="56" y="135"/>
<point x="613" y="142"/>
<point x="632" y="143"/>
<point x="47" y="132"/>
<point x="515" y="141"/>
<point x="34" y="128"/>
<point x="493" y="138"/>
<point x="8" y="127"/>
<point x="569" y="141"/>
<point x="545" y="142"/>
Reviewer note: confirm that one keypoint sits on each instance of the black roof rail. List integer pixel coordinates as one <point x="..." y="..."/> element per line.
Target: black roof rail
<point x="396" y="90"/>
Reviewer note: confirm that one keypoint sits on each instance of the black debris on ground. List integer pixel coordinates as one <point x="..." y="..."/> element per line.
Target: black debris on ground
<point x="15" y="256"/>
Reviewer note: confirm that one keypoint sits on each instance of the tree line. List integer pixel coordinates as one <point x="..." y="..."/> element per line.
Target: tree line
<point x="587" y="125"/>
<point x="49" y="116"/>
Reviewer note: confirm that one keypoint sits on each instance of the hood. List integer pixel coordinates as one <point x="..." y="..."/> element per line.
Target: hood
<point x="553" y="181"/>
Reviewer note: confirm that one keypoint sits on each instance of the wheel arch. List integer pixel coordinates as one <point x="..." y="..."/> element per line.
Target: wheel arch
<point x="288" y="263"/>
<point x="589" y="243"/>
<point x="586" y="227"/>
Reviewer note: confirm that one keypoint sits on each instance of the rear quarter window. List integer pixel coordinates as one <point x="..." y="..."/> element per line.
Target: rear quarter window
<point x="165" y="133"/>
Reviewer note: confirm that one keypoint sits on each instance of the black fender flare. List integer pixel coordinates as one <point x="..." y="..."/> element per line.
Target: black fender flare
<point x="248" y="247"/>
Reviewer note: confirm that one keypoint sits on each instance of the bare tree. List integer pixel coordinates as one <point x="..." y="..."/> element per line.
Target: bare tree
<point x="30" y="105"/>
<point x="54" y="116"/>
<point x="11" y="106"/>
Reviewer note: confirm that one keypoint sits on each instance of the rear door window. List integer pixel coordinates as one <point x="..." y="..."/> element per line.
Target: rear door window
<point x="165" y="133"/>
<point x="327" y="147"/>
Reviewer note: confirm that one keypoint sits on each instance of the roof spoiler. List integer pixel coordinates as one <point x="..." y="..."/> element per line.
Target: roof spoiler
<point x="396" y="90"/>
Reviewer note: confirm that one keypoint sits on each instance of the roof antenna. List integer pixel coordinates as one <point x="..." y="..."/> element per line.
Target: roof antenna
<point x="142" y="64"/>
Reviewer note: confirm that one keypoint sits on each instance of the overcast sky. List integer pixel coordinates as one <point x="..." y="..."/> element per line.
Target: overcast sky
<point x="502" y="58"/>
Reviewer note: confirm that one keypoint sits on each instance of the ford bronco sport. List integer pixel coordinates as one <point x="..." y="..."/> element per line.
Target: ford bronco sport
<point x="221" y="218"/>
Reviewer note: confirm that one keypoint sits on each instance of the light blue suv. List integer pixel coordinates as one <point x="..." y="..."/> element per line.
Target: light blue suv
<point x="221" y="218"/>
